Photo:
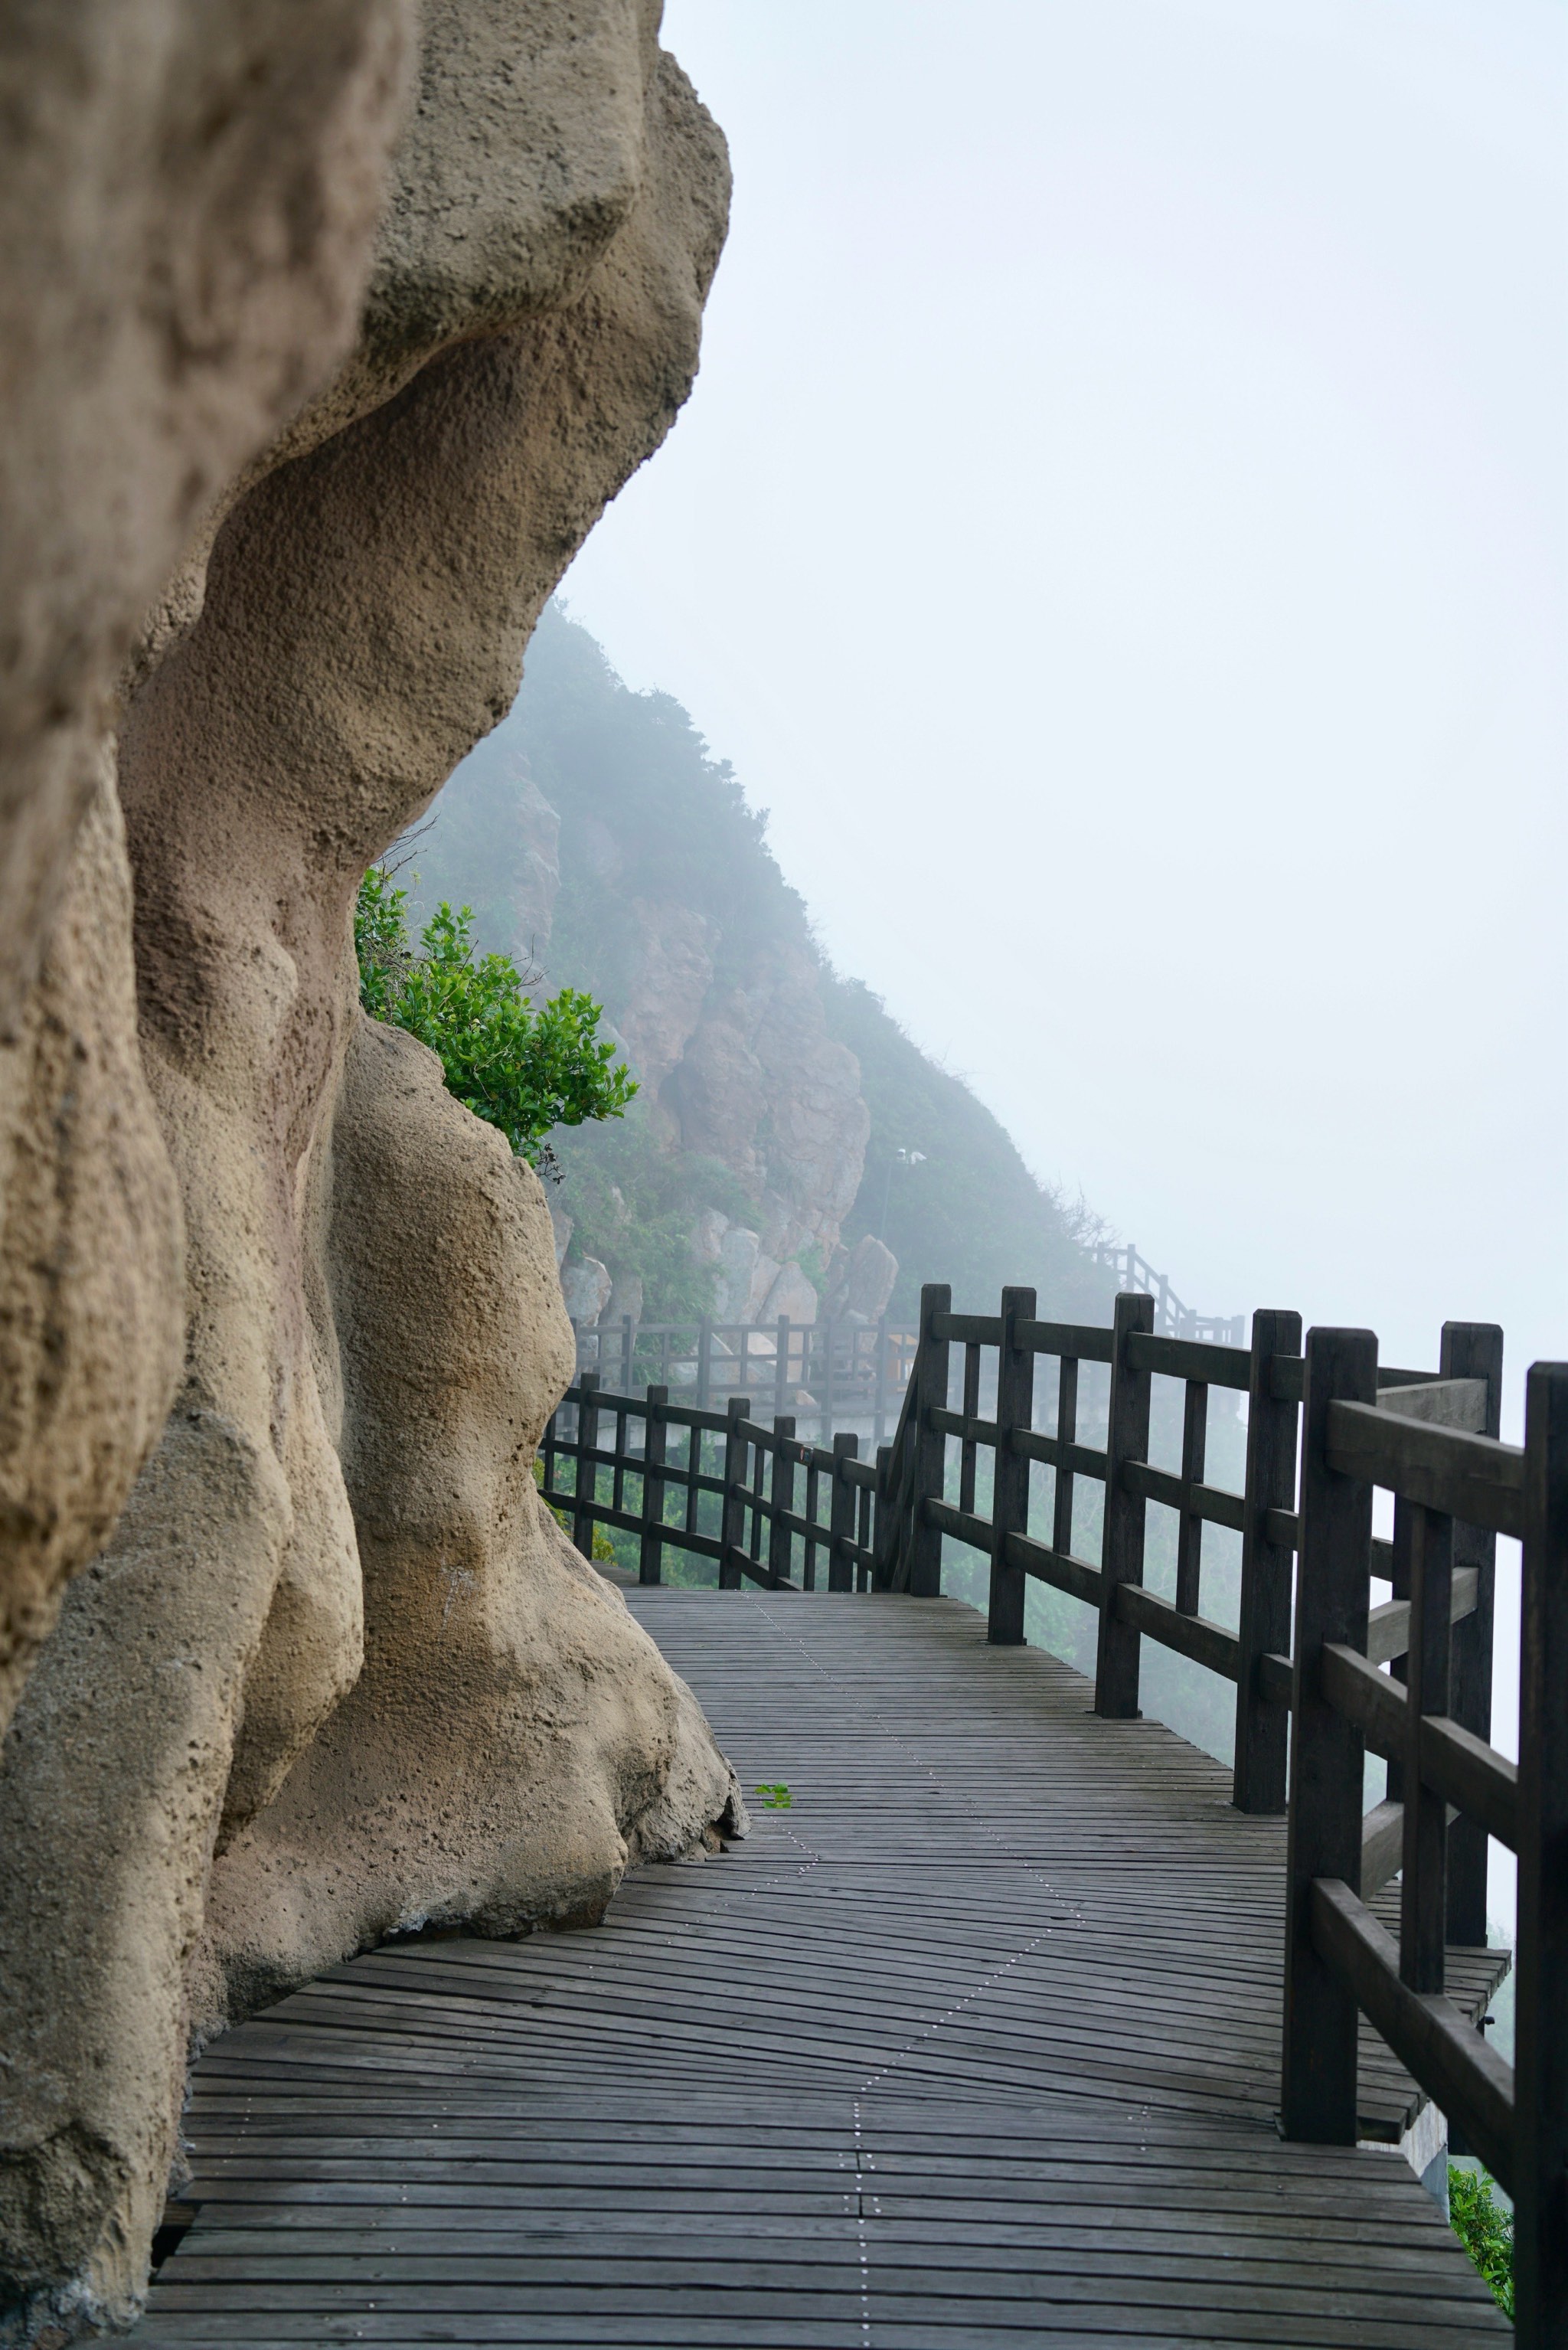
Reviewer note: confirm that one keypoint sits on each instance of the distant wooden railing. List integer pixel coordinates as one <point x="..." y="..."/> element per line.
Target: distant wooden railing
<point x="846" y="1369"/>
<point x="1431" y="1439"/>
<point x="747" y="1473"/>
<point x="1172" y="1319"/>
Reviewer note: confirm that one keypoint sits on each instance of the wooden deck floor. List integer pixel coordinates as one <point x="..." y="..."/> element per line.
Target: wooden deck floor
<point x="976" y="2043"/>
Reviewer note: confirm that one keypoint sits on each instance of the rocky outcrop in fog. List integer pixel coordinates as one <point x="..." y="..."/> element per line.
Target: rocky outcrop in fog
<point x="335" y="1672"/>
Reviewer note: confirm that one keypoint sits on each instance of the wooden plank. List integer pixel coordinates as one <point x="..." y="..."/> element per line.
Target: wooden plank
<point x="1258" y="1783"/>
<point x="1461" y="1403"/>
<point x="1465" y="2073"/>
<point x="1472" y="1350"/>
<point x="841" y="1553"/>
<point x="1191" y="1360"/>
<point x="1209" y="1645"/>
<point x="1469" y="1477"/>
<point x="959" y="2069"/>
<point x="1010" y="1491"/>
<point x="1212" y="1504"/>
<point x="1388" y="1627"/>
<point x="928" y="1386"/>
<point x="1082" y="1342"/>
<point x="1126" y="1439"/>
<point x="966" y="1329"/>
<point x="1075" y="1576"/>
<point x="1317" y="2089"/>
<point x="732" y="1527"/>
<point x="1540" y="2148"/>
<point x="587" y="1473"/>
<point x="1424" y="1904"/>
<point x="651" y="1559"/>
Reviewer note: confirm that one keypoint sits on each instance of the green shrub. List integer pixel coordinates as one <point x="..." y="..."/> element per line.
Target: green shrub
<point x="524" y="1068"/>
<point x="1485" y="2230"/>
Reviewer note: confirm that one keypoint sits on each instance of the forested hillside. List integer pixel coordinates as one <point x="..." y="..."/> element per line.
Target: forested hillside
<point x="597" y="838"/>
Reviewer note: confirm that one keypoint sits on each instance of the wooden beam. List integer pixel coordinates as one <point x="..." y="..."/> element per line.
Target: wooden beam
<point x="1116" y="1663"/>
<point x="1262" y="1728"/>
<point x="1469" y="1477"/>
<point x="1010" y="1491"/>
<point x="1472" y="1350"/>
<point x="1317" y="2097"/>
<point x="1451" y="2060"/>
<point x="1540" y="2185"/>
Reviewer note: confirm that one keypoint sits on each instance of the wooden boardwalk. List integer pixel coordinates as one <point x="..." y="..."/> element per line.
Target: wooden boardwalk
<point x="975" y="2044"/>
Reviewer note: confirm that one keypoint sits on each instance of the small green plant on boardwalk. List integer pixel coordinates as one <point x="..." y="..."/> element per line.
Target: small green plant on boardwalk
<point x="1485" y="2230"/>
<point x="775" y="1796"/>
<point x="524" y="1067"/>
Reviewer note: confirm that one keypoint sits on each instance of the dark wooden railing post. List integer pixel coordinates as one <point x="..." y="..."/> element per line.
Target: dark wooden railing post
<point x="923" y="1542"/>
<point x="879" y="1430"/>
<point x="1472" y="1350"/>
<point x="1423" y="1903"/>
<point x="1009" y="1487"/>
<point x="1262" y="1726"/>
<point x="650" y="1565"/>
<point x="1126" y="1438"/>
<point x="782" y="1495"/>
<point x="884" y="1535"/>
<point x="1066" y="1433"/>
<point x="1190" y="1528"/>
<point x="841" y="1523"/>
<point x="781" y="1364"/>
<point x="704" y="1362"/>
<point x="1317" y="2091"/>
<point x="588" y="1471"/>
<point x="732" y="1527"/>
<point x="1540" y="2062"/>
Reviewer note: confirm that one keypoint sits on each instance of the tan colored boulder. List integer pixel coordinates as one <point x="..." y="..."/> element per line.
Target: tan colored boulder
<point x="514" y="1737"/>
<point x="358" y="622"/>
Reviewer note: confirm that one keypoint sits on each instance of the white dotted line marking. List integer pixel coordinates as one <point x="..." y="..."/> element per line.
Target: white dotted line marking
<point x="862" y="2163"/>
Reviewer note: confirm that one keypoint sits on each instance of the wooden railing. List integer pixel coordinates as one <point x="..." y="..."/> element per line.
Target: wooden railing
<point x="1172" y="1319"/>
<point x="748" y="1474"/>
<point x="846" y="1369"/>
<point x="1431" y="1439"/>
<point x="1453" y="1491"/>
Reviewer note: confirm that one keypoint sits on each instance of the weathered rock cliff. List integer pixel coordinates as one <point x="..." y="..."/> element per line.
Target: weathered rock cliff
<point x="335" y="1672"/>
<point x="188" y="193"/>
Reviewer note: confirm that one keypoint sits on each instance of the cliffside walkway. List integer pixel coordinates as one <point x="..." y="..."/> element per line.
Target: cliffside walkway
<point x="976" y="2042"/>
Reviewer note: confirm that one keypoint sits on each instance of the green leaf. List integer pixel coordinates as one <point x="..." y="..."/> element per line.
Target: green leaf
<point x="524" y="1068"/>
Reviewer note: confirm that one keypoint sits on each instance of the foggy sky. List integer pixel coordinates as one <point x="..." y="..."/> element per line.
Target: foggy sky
<point x="1119" y="534"/>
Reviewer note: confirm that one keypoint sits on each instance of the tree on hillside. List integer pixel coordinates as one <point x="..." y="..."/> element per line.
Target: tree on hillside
<point x="524" y="1068"/>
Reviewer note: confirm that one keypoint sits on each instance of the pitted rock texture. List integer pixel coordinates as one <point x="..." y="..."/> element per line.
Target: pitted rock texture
<point x="333" y="1586"/>
<point x="188" y="195"/>
<point x="514" y="1737"/>
<point x="92" y="1312"/>
<point x="188" y="191"/>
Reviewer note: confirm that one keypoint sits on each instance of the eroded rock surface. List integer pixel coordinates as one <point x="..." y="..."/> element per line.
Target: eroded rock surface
<point x="514" y="1737"/>
<point x="336" y="1671"/>
<point x="188" y="191"/>
<point x="188" y="195"/>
